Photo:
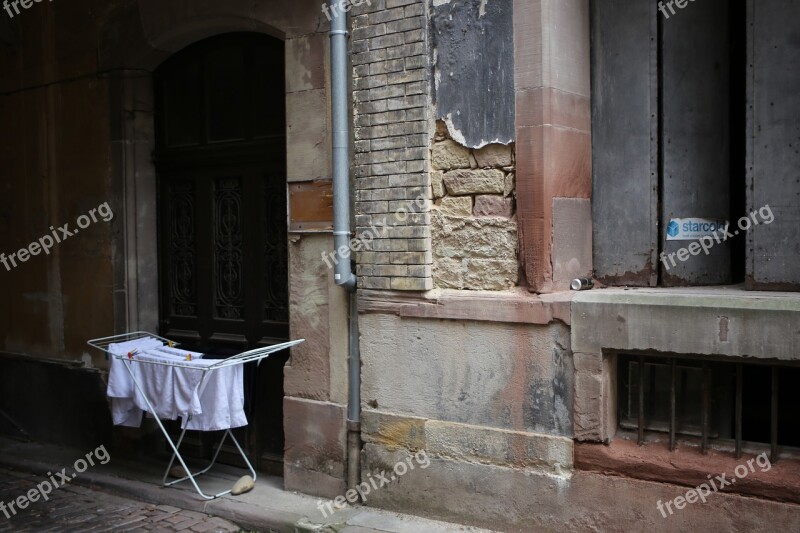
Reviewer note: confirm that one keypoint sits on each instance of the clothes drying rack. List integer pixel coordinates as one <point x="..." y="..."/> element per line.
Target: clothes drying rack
<point x="128" y="360"/>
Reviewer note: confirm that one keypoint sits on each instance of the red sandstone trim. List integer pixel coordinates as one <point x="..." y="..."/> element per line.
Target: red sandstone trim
<point x="515" y="306"/>
<point x="688" y="467"/>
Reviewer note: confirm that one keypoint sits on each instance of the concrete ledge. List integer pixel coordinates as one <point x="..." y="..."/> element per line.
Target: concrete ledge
<point x="514" y="306"/>
<point x="469" y="443"/>
<point x="709" y="321"/>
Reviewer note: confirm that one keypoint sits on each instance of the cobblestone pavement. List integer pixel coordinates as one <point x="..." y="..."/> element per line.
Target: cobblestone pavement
<point x="74" y="508"/>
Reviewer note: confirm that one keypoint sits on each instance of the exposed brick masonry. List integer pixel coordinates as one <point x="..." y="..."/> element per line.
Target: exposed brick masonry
<point x="391" y="80"/>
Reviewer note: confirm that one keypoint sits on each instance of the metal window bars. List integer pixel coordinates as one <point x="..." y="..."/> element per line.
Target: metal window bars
<point x="250" y="356"/>
<point x="641" y="421"/>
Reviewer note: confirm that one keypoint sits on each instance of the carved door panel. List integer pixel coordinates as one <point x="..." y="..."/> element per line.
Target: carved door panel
<point x="223" y="257"/>
<point x="223" y="266"/>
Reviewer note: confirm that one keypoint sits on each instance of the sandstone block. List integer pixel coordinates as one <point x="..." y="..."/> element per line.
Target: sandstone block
<point x="491" y="274"/>
<point x="437" y="183"/>
<point x="474" y="253"/>
<point x="412" y="284"/>
<point x="374" y="283"/>
<point x="457" y="206"/>
<point x="464" y="182"/>
<point x="492" y="206"/>
<point x="448" y="155"/>
<point x="493" y="156"/>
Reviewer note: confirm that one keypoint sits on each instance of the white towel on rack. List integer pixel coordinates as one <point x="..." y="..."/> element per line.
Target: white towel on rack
<point x="175" y="391"/>
<point x="156" y="383"/>
<point x="185" y="381"/>
<point x="120" y="385"/>
<point x="187" y="395"/>
<point x="171" y="390"/>
<point x="221" y="399"/>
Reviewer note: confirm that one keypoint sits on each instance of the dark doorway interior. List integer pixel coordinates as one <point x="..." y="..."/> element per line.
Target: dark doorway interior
<point x="220" y="160"/>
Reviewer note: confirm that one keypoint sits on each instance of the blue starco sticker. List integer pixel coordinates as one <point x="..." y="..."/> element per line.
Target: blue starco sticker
<point x="689" y="229"/>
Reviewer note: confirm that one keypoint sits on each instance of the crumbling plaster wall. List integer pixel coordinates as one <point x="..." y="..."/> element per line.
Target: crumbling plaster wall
<point x="473" y="228"/>
<point x="473" y="223"/>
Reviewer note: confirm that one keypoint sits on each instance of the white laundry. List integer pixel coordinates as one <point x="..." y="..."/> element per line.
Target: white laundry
<point x="156" y="384"/>
<point x="120" y="385"/>
<point x="175" y="390"/>
<point x="187" y="395"/>
<point x="221" y="398"/>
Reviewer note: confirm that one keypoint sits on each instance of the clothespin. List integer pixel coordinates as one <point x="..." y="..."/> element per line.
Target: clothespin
<point x="171" y="344"/>
<point x="132" y="353"/>
<point x="188" y="357"/>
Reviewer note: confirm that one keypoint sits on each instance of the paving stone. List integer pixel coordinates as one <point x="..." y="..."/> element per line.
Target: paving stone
<point x="195" y="515"/>
<point x="81" y="509"/>
<point x="187" y="525"/>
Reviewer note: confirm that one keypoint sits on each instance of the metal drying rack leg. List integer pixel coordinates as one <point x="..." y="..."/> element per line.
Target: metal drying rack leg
<point x="228" y="432"/>
<point x="176" y="453"/>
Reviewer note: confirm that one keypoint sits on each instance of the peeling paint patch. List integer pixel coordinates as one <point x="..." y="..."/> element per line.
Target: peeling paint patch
<point x="473" y="54"/>
<point x="459" y="137"/>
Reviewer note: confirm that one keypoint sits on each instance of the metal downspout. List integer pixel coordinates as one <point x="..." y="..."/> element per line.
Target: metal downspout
<point x="343" y="274"/>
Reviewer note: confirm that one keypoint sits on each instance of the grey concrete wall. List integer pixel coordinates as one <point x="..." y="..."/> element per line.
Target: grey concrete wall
<point x="497" y="375"/>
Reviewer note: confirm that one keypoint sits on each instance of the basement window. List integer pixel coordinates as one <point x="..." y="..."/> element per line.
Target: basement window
<point x="726" y="404"/>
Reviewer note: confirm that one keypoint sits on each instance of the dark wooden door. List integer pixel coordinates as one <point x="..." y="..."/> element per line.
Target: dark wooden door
<point x="220" y="159"/>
